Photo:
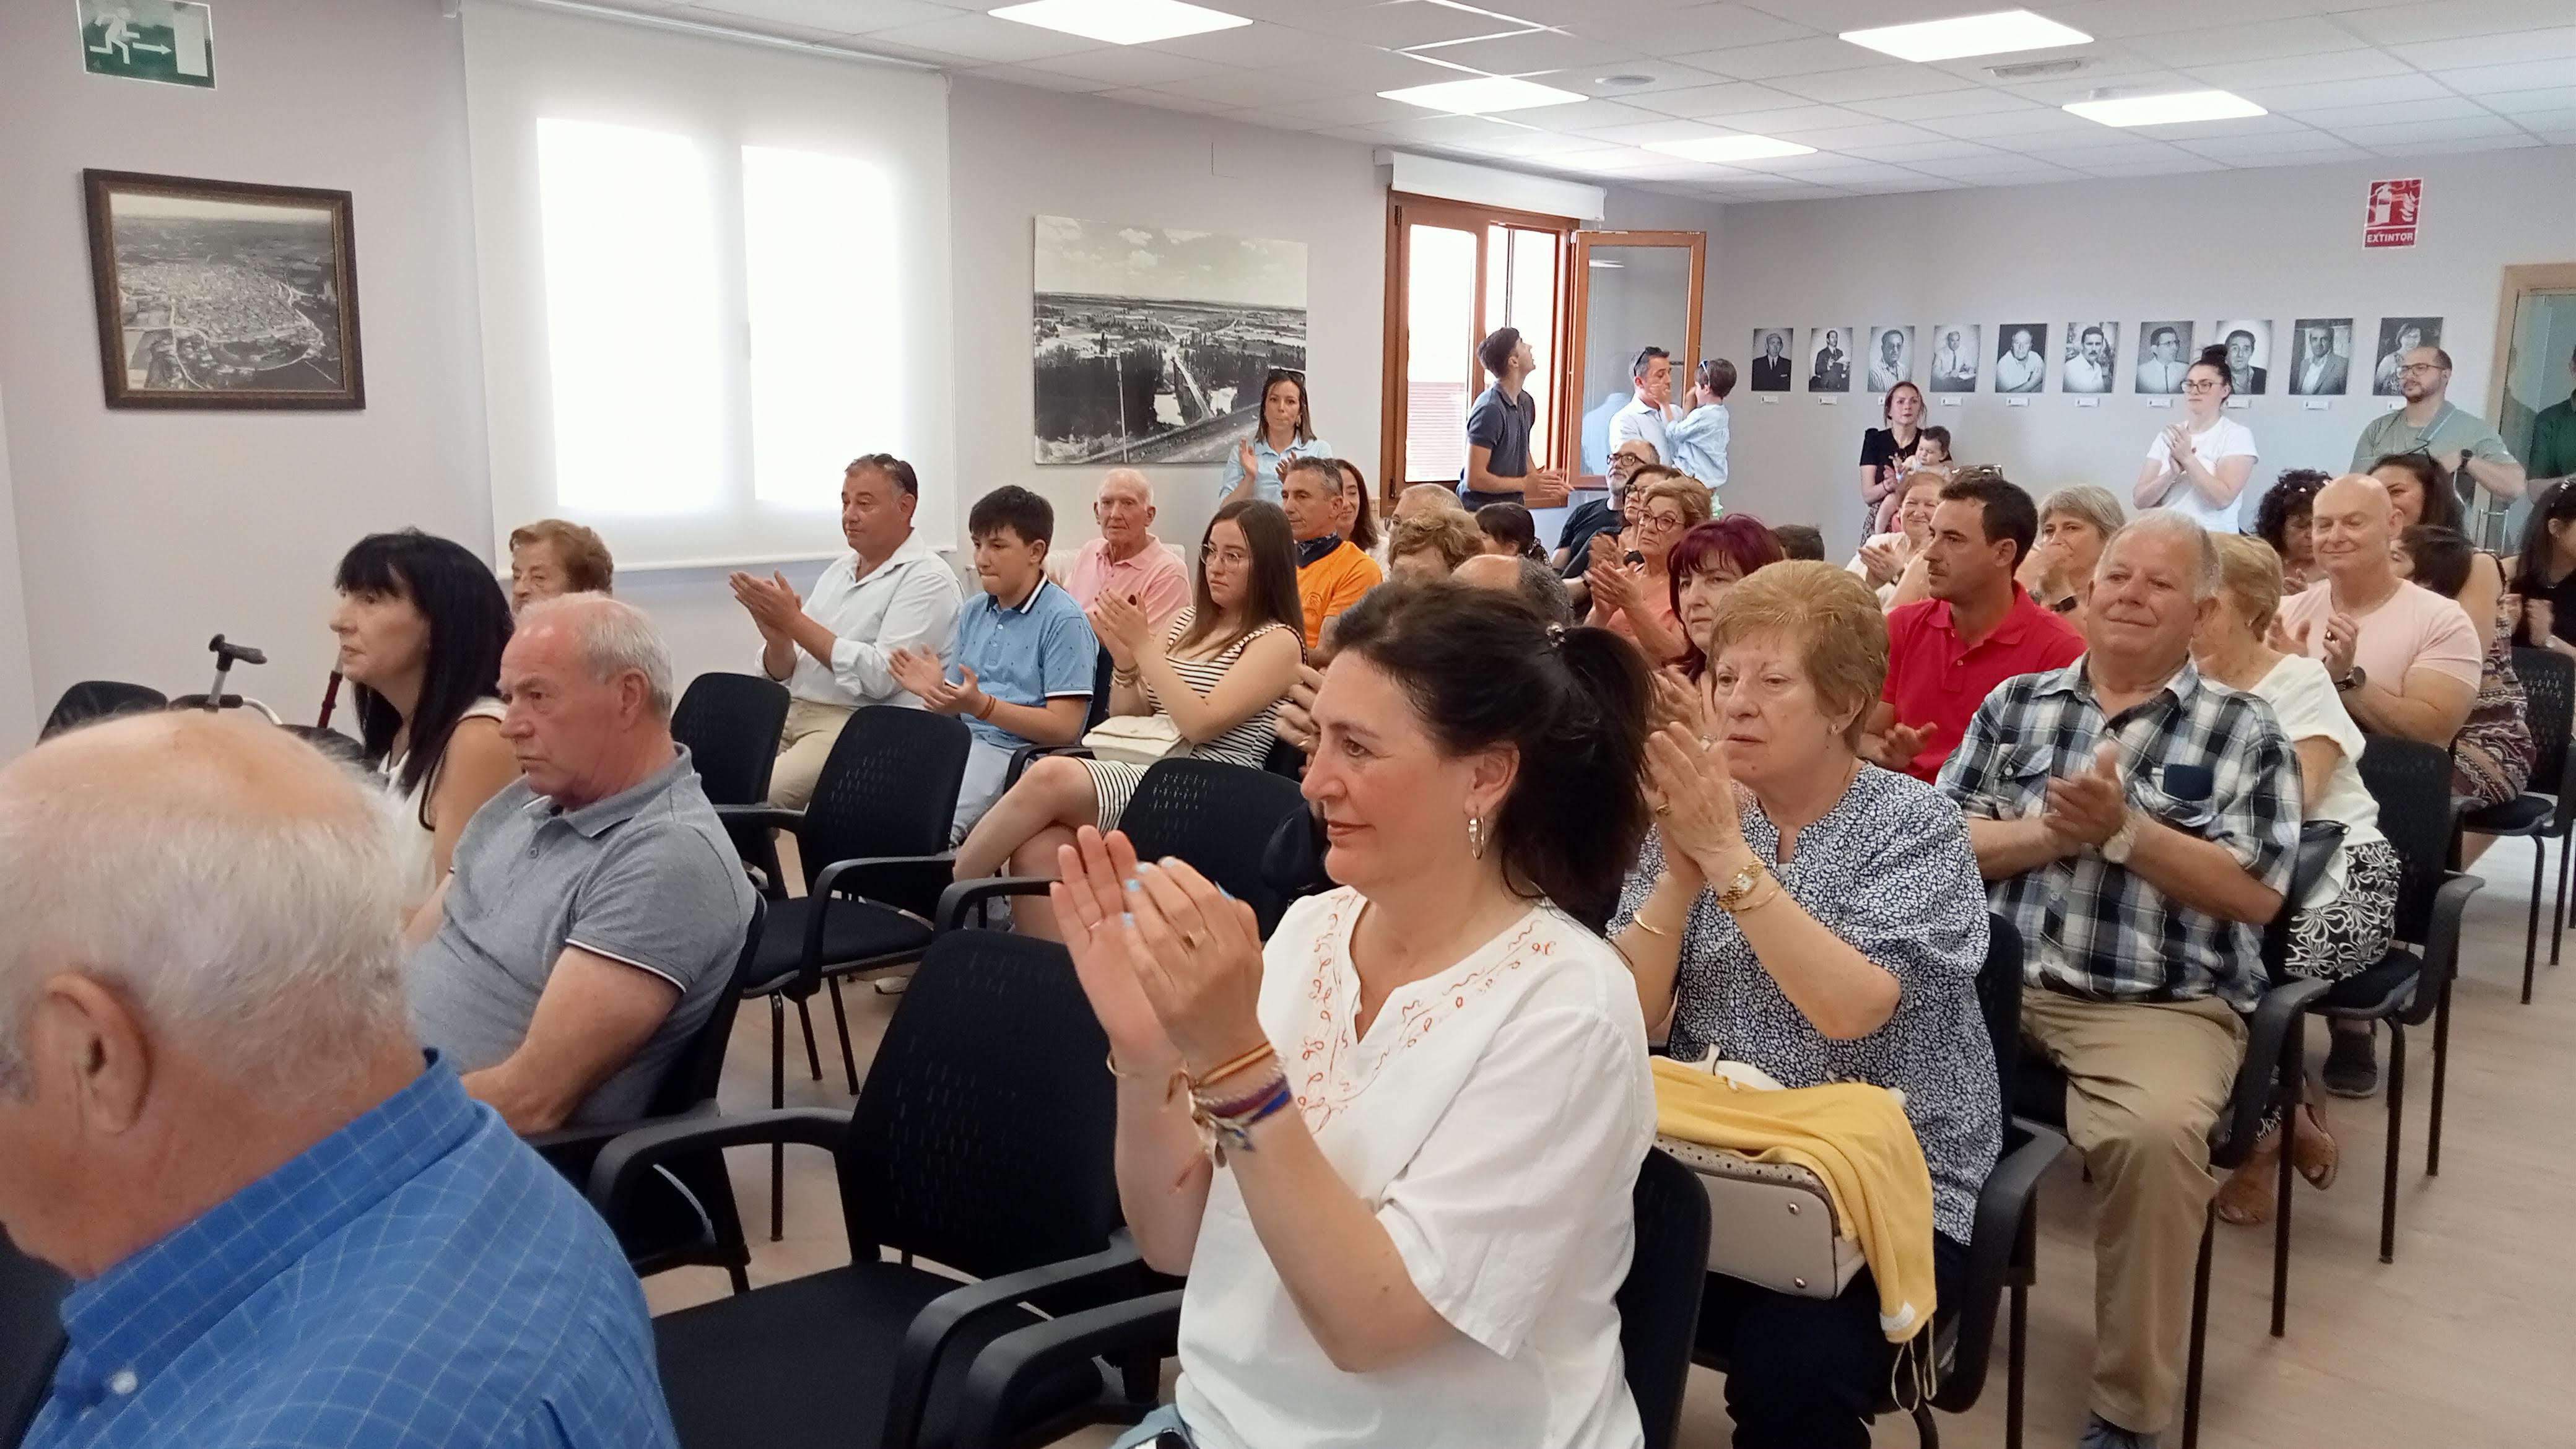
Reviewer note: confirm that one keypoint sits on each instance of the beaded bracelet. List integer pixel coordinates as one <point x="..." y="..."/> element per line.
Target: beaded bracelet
<point x="1232" y="1124"/>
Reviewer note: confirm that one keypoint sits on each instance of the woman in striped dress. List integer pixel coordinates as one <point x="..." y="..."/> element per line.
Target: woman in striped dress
<point x="1219" y="672"/>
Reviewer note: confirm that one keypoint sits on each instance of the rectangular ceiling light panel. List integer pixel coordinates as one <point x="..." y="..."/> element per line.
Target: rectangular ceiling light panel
<point x="1999" y="33"/>
<point x="1121" y="22"/>
<point x="2167" y="110"/>
<point x="1719" y="150"/>
<point x="1481" y="95"/>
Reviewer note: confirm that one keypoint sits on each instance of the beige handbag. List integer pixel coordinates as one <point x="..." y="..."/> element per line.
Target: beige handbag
<point x="1771" y="1224"/>
<point x="1135" y="739"/>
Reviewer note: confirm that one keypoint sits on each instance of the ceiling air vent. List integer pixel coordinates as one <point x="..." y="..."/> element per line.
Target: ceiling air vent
<point x="2039" y="69"/>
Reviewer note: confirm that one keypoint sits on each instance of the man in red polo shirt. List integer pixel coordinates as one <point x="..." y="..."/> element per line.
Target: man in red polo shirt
<point x="1979" y="628"/>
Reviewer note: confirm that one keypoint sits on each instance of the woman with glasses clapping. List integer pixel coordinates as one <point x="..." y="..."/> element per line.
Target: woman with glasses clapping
<point x="1632" y="596"/>
<point x="2198" y="466"/>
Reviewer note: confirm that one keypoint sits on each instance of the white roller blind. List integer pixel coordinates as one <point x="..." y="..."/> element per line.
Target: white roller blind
<point x="711" y="274"/>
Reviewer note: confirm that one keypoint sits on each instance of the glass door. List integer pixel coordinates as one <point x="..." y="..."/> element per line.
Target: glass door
<point x="2534" y="372"/>
<point x="1457" y="272"/>
<point x="1632" y="290"/>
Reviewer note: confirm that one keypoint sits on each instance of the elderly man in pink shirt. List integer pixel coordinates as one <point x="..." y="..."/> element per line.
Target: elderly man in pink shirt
<point x="1126" y="558"/>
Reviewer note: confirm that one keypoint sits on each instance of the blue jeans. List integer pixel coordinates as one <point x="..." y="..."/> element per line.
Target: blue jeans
<point x="1165" y="1420"/>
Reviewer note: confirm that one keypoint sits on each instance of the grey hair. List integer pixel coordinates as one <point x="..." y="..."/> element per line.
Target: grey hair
<point x="2208" y="579"/>
<point x="1130" y="475"/>
<point x="269" y="941"/>
<point x="2089" y="502"/>
<point x="614" y="636"/>
<point x="1545" y="592"/>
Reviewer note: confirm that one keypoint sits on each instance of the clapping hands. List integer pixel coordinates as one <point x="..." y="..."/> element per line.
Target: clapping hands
<point x="1122" y="626"/>
<point x="1170" y="963"/>
<point x="773" y="603"/>
<point x="922" y="672"/>
<point x="2089" y="808"/>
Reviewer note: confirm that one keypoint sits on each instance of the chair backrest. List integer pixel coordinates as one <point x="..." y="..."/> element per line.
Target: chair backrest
<point x="889" y="787"/>
<point x="97" y="699"/>
<point x="31" y="1336"/>
<point x="1659" y="1301"/>
<point x="1999" y="997"/>
<point x="1219" y="818"/>
<point x="2549" y="706"/>
<point x="731" y="723"/>
<point x="983" y="1141"/>
<point x="694" y="1076"/>
<point x="1101" y="671"/>
<point x="2412" y="783"/>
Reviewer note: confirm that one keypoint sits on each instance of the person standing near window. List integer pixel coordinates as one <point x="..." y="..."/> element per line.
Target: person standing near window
<point x="2198" y="467"/>
<point x="2463" y="445"/>
<point x="1286" y="430"/>
<point x="1498" y="431"/>
<point x="1646" y="413"/>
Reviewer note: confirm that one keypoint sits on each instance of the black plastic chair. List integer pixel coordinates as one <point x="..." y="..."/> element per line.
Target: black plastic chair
<point x="731" y="724"/>
<point x="31" y="1336"/>
<point x="874" y="846"/>
<point x="685" y="1216"/>
<point x="2412" y="983"/>
<point x="2003" y="1247"/>
<point x="982" y="1144"/>
<point x="1658" y="1314"/>
<point x="92" y="700"/>
<point x="2548" y="810"/>
<point x="1217" y="817"/>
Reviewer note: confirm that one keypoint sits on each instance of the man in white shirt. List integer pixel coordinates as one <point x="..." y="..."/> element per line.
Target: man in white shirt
<point x="835" y="653"/>
<point x="1644" y="417"/>
<point x="1954" y="366"/>
<point x="2162" y="370"/>
<point x="2090" y="369"/>
<point x="2019" y="369"/>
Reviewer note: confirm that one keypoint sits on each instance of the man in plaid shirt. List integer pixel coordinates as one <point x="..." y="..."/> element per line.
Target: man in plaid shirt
<point x="2139" y="826"/>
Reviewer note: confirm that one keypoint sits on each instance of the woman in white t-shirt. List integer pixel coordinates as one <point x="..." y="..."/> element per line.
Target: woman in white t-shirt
<point x="1428" y="1095"/>
<point x="2345" y="924"/>
<point x="2199" y="466"/>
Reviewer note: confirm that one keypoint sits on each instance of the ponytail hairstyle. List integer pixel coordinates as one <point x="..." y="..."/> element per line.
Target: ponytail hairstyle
<point x="2214" y="357"/>
<point x="1484" y="672"/>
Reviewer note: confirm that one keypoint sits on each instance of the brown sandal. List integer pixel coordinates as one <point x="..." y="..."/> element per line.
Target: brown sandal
<point x="2245" y="1199"/>
<point x="2313" y="1151"/>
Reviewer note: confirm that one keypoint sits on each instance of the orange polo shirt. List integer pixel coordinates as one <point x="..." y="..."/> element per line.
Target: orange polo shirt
<point x="1333" y="583"/>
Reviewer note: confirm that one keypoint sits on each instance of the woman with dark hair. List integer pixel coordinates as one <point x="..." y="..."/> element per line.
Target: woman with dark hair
<point x="1425" y="1101"/>
<point x="1286" y="430"/>
<point x="2544" y="572"/>
<point x="1808" y="913"/>
<point x="2492" y="755"/>
<point x="2197" y="467"/>
<point x="1885" y="450"/>
<point x="1509" y="530"/>
<point x="2281" y="519"/>
<point x="421" y="624"/>
<point x="1358" y="516"/>
<point x="1709" y="561"/>
<point x="1218" y="674"/>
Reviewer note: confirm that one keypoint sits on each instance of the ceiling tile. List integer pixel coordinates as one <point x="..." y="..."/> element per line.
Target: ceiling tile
<point x="988" y="39"/>
<point x="1533" y="53"/>
<point x="2521" y="103"/>
<point x="2156" y="168"/>
<point x="1351" y="69"/>
<point x="2118" y="19"/>
<point x="2527" y="45"/>
<point x="1717" y="100"/>
<point x="1274" y="120"/>
<point x="1576" y="14"/>
<point x="1664" y="130"/>
<point x="2203" y="130"/>
<point x="1676" y="32"/>
<point x="1347" y="110"/>
<point x="2342" y="65"/>
<point x="2228" y="148"/>
<point x="1977" y="102"/>
<point x="2475" y="128"/>
<point x="1787" y="57"/>
<point x="1989" y="170"/>
<point x="1129" y="65"/>
<point x="1020" y="75"/>
<point x="2547" y="122"/>
<point x="1162" y="100"/>
<point x="1249" y="88"/>
<point x="2446" y="108"/>
<point x="1908" y="152"/>
<point x="1795" y="118"/>
<point x="1662" y="77"/>
<point x="2447" y="20"/>
<point x="1862" y="173"/>
<point x="2012" y="124"/>
<point x="1255" y="47"/>
<point x="1587" y="116"/>
<point x="1844" y="138"/>
<point x="2118" y="154"/>
<point x="1540" y="143"/>
<point x="2563" y="137"/>
<point x="2476" y="82"/>
<point x="1610" y="158"/>
<point x="1399" y="23"/>
<point x="1835" y="16"/>
<point x="849" y="17"/>
<point x="2306" y="35"/>
<point x="2300" y="100"/>
<point x="1448" y="130"/>
<point x="2439" y="148"/>
<point x="1872" y="82"/>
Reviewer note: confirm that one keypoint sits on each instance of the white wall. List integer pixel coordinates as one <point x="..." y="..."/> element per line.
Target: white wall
<point x="141" y="534"/>
<point x="19" y="712"/>
<point x="2280" y="243"/>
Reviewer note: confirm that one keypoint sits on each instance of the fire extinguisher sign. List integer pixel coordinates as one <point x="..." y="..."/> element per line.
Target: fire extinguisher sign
<point x="2395" y="208"/>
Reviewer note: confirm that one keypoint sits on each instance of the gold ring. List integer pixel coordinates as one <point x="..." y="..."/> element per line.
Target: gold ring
<point x="1193" y="940"/>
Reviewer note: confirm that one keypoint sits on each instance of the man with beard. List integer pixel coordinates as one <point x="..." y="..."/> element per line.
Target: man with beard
<point x="2463" y="445"/>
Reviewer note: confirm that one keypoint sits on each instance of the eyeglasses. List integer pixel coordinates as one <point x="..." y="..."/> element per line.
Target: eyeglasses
<point x="2200" y="384"/>
<point x="1230" y="557"/>
<point x="2420" y="369"/>
<point x="1660" y="522"/>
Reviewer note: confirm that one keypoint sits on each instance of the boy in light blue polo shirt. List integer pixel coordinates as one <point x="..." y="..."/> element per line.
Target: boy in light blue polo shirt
<point x="1024" y="657"/>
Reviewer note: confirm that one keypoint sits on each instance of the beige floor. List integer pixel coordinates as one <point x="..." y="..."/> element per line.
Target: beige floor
<point x="2464" y="1341"/>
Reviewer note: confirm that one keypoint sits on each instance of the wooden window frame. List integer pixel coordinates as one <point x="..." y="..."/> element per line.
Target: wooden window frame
<point x="1403" y="208"/>
<point x="1571" y="358"/>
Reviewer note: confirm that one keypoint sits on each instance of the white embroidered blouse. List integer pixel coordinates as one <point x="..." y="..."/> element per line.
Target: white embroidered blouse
<point x="1495" y="1114"/>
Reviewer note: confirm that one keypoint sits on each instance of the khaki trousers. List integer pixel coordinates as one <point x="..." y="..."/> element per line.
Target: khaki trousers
<point x="2145" y="1083"/>
<point x="803" y="745"/>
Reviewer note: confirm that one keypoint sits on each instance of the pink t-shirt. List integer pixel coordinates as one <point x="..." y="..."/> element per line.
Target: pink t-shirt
<point x="2415" y="629"/>
<point x="1153" y="577"/>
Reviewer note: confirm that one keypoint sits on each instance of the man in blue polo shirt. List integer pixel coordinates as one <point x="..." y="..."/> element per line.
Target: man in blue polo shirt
<point x="1025" y="653"/>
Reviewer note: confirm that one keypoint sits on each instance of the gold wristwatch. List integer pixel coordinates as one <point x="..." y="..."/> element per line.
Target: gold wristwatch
<point x="1746" y="882"/>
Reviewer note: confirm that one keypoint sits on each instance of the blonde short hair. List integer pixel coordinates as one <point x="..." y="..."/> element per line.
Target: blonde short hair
<point x="1450" y="533"/>
<point x="1688" y="494"/>
<point x="2249" y="575"/>
<point x="587" y="567"/>
<point x="1834" y="617"/>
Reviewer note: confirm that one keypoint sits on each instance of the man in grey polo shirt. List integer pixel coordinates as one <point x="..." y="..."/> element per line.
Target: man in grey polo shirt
<point x="595" y="907"/>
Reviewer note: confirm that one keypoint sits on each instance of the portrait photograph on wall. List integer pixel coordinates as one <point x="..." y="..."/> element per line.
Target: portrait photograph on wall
<point x="2164" y="355"/>
<point x="2021" y="357"/>
<point x="2249" y="354"/>
<point x="1772" y="368"/>
<point x="2091" y="352"/>
<point x="218" y="294"/>
<point x="1151" y="343"/>
<point x="2397" y="337"/>
<point x="1891" y="357"/>
<point x="1829" y="358"/>
<point x="1957" y="353"/>
<point x="2323" y="367"/>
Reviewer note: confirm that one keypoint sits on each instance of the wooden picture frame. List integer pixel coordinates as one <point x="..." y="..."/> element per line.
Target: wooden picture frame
<point x="223" y="294"/>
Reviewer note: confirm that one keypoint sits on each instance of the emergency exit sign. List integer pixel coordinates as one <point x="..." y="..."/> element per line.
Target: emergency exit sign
<point x="170" y="41"/>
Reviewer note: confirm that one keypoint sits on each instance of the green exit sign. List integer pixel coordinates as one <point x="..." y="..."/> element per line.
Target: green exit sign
<point x="171" y="41"/>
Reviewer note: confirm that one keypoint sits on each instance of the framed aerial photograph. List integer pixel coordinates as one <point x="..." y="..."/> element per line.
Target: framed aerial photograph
<point x="218" y="294"/>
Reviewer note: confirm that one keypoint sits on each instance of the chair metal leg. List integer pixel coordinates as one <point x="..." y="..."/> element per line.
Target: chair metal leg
<point x="841" y="1021"/>
<point x="2199" y="1331"/>
<point x="2531" y="929"/>
<point x="1926" y="1433"/>
<point x="777" y="1099"/>
<point x="741" y="1279"/>
<point x="2441" y="1069"/>
<point x="2396" y="1124"/>
<point x="2294" y="1081"/>
<point x="2558" y="913"/>
<point x="2013" y="1369"/>
<point x="813" y="1058"/>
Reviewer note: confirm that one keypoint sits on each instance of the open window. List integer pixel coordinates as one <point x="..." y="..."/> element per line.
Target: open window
<point x="1630" y="290"/>
<point x="1455" y="273"/>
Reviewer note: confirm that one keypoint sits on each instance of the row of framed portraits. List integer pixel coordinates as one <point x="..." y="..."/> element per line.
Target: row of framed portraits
<point x="2017" y="357"/>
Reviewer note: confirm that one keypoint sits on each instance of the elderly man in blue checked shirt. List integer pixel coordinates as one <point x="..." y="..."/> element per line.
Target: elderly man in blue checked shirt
<point x="2139" y="826"/>
<point x="287" y="1229"/>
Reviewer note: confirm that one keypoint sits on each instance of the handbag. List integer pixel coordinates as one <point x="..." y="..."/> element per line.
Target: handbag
<point x="1135" y="739"/>
<point x="1771" y="1224"/>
